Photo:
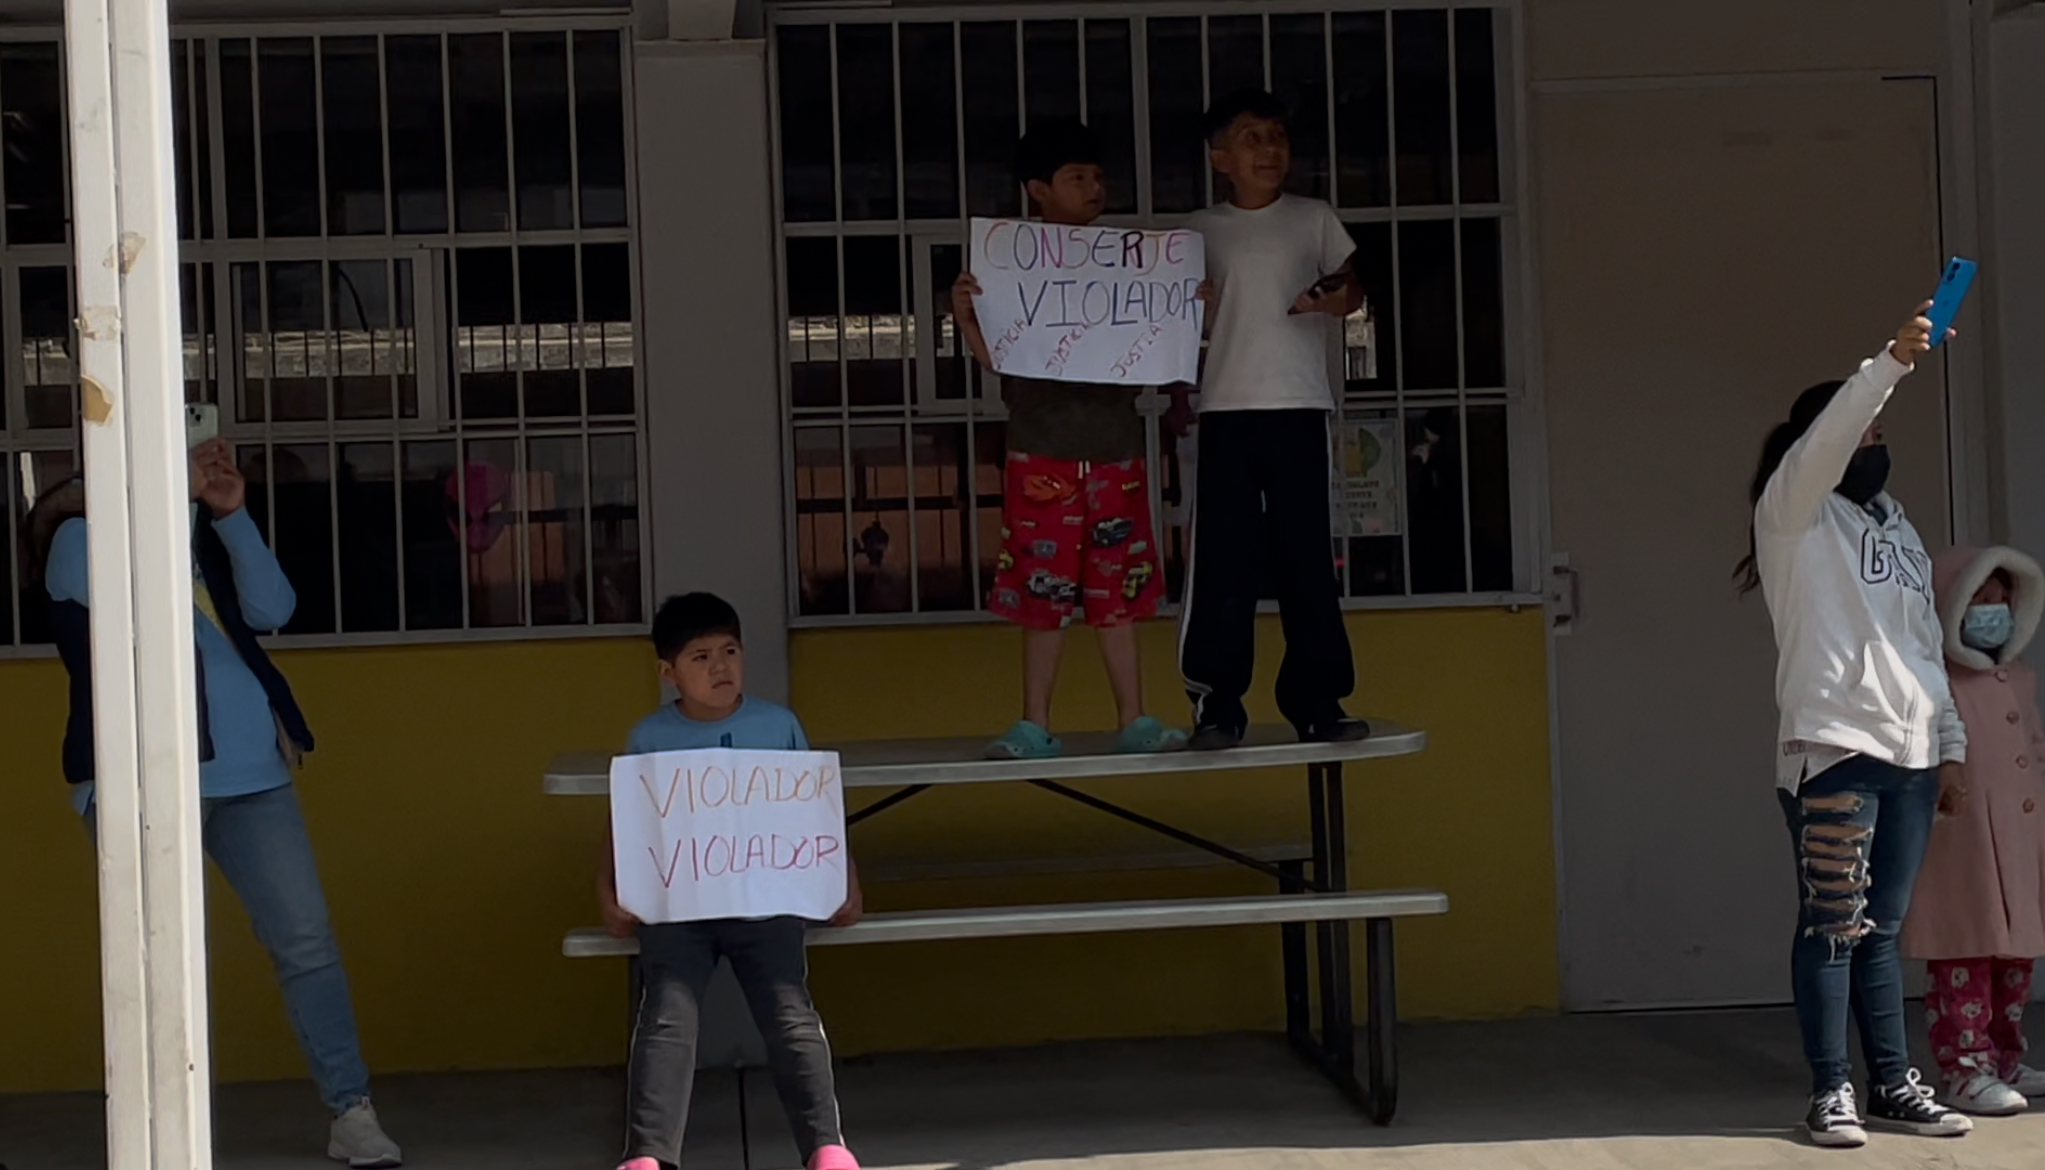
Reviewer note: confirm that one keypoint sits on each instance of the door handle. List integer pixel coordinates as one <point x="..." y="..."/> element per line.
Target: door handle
<point x="1563" y="593"/>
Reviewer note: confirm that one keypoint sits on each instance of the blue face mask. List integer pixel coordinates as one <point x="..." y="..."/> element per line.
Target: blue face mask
<point x="1987" y="627"/>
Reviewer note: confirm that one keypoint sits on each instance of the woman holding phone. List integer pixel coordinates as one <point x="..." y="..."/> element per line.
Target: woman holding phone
<point x="251" y="735"/>
<point x="1866" y="719"/>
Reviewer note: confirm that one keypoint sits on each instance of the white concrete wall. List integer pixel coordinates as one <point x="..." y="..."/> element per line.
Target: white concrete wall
<point x="2017" y="169"/>
<point x="707" y="311"/>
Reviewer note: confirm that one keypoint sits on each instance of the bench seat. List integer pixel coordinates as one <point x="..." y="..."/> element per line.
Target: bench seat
<point x="1081" y="918"/>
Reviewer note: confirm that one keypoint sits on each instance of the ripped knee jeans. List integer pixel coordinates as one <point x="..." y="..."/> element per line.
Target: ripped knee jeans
<point x="1859" y="830"/>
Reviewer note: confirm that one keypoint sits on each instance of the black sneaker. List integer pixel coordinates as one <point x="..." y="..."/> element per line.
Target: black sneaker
<point x="1834" y="1121"/>
<point x="1340" y="729"/>
<point x="1215" y="737"/>
<point x="1912" y="1108"/>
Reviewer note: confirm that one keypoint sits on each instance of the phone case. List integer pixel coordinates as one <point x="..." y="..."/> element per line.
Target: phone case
<point x="201" y="425"/>
<point x="1951" y="294"/>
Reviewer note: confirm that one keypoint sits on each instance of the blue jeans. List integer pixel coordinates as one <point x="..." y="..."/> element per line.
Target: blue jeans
<point x="1859" y="829"/>
<point x="261" y="846"/>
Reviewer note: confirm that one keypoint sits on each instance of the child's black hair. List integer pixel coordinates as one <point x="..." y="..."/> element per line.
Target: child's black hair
<point x="1052" y="145"/>
<point x="684" y="619"/>
<point x="1250" y="103"/>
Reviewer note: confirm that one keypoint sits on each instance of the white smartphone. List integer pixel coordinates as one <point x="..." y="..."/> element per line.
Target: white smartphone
<point x="202" y="423"/>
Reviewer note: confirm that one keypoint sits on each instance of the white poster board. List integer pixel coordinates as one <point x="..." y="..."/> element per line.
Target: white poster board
<point x="1098" y="304"/>
<point x="1366" y="488"/>
<point x="722" y="833"/>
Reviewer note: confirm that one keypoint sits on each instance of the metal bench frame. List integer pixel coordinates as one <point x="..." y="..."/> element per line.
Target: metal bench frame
<point x="1332" y="1049"/>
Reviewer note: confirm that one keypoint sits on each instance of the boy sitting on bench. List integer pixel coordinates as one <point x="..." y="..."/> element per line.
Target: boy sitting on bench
<point x="701" y="656"/>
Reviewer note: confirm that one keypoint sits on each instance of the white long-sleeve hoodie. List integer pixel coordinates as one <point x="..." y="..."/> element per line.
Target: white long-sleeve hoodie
<point x="1861" y="667"/>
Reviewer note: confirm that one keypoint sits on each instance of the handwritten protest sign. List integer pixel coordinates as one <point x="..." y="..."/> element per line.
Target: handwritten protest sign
<point x="1089" y="304"/>
<point x="729" y="834"/>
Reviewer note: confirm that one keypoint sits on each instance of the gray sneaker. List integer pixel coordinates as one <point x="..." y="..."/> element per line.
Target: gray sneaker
<point x="359" y="1140"/>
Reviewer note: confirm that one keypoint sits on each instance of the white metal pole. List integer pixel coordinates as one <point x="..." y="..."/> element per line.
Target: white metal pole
<point x="124" y="985"/>
<point x="160" y="513"/>
<point x="145" y="706"/>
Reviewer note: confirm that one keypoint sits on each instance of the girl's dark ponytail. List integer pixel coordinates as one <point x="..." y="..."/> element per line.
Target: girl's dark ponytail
<point x="1809" y="405"/>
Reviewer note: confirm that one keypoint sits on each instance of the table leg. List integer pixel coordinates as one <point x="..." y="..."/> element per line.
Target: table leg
<point x="1381" y="1030"/>
<point x="1338" y="1002"/>
<point x="1299" y="1023"/>
<point x="1333" y="1050"/>
<point x="1324" y="932"/>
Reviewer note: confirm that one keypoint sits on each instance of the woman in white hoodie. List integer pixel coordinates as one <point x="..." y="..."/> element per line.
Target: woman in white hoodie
<point x="1866" y="720"/>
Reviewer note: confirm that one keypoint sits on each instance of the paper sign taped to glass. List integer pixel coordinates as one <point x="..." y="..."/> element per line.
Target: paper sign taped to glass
<point x="722" y="833"/>
<point x="1366" y="488"/>
<point x="1099" y="304"/>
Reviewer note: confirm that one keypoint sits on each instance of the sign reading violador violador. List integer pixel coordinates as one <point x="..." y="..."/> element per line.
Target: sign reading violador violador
<point x="722" y="833"/>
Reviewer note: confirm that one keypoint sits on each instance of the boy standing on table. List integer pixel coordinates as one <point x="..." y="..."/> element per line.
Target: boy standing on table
<point x="701" y="656"/>
<point x="1281" y="267"/>
<point x="1076" y="534"/>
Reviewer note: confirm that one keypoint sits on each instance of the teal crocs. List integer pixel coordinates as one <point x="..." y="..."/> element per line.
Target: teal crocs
<point x="1148" y="735"/>
<point x="1025" y="741"/>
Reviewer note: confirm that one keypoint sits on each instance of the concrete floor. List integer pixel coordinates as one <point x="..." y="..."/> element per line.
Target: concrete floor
<point x="1702" y="1090"/>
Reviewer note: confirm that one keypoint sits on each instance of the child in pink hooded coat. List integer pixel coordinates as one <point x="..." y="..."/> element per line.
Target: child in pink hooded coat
<point x="1978" y="913"/>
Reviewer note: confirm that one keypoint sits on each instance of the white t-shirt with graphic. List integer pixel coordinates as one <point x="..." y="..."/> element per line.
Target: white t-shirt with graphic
<point x="1260" y="356"/>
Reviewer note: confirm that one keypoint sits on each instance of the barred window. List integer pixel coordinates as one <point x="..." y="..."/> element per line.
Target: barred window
<point x="406" y="286"/>
<point x="893" y="128"/>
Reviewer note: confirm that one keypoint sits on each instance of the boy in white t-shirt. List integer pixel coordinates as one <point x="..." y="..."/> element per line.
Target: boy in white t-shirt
<point x="1281" y="267"/>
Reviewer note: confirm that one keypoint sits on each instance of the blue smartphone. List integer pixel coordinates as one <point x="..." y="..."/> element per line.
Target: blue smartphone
<point x="1951" y="294"/>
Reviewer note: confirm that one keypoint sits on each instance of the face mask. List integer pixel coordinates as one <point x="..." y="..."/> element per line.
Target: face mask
<point x="1866" y="474"/>
<point x="1987" y="627"/>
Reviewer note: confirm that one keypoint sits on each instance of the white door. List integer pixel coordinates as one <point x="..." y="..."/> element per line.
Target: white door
<point x="1705" y="254"/>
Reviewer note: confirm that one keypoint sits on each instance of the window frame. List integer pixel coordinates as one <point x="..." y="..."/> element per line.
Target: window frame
<point x="1525" y="471"/>
<point x="214" y="257"/>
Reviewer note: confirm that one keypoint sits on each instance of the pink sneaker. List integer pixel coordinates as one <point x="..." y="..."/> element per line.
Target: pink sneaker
<point x="639" y="1164"/>
<point x="833" y="1158"/>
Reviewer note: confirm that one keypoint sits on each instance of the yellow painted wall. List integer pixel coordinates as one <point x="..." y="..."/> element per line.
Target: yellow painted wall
<point x="451" y="877"/>
<point x="449" y="874"/>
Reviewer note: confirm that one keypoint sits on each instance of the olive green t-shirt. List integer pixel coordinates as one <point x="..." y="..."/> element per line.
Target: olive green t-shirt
<point x="1080" y="421"/>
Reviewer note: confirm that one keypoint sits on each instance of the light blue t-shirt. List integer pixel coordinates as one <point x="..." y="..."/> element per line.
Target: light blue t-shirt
<point x="757" y="725"/>
<point x="246" y="759"/>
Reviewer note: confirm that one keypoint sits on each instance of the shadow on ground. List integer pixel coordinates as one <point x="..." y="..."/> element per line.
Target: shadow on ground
<point x="1693" y="1089"/>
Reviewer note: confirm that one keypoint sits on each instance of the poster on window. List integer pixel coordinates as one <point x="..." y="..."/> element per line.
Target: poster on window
<point x="1096" y="304"/>
<point x="722" y="833"/>
<point x="1366" y="488"/>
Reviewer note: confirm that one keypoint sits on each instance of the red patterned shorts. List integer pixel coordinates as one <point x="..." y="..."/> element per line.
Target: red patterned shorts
<point x="1076" y="537"/>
